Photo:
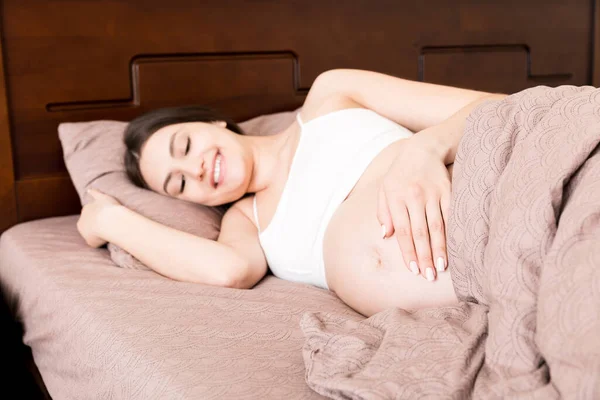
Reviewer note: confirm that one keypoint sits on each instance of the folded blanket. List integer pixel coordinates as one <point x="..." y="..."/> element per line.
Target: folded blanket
<point x="524" y="251"/>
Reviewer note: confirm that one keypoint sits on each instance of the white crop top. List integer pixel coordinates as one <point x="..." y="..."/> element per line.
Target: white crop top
<point x="333" y="152"/>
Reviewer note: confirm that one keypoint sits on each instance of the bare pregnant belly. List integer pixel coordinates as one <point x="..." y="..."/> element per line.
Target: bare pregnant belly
<point x="368" y="272"/>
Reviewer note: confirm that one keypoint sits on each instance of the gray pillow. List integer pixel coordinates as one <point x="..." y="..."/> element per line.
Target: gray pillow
<point x="93" y="153"/>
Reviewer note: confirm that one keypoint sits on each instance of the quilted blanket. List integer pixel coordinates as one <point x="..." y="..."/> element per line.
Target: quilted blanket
<point x="524" y="253"/>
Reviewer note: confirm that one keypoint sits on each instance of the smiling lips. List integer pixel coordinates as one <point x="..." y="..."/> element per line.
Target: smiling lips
<point x="217" y="170"/>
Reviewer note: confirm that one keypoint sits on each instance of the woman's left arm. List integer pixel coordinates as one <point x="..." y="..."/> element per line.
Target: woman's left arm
<point x="414" y="105"/>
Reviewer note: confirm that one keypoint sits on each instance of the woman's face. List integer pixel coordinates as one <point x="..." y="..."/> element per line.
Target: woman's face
<point x="201" y="162"/>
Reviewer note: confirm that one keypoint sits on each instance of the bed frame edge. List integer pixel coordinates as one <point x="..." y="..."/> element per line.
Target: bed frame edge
<point x="596" y="44"/>
<point x="8" y="203"/>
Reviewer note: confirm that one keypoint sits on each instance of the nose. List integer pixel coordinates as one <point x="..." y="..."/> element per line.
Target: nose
<point x="193" y="167"/>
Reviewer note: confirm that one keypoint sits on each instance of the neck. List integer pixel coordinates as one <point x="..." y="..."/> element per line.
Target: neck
<point x="270" y="155"/>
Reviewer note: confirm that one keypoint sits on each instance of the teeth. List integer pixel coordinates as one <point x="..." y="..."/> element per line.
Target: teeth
<point x="217" y="172"/>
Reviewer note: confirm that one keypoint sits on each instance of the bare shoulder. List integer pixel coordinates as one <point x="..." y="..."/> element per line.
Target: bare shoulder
<point x="241" y="210"/>
<point x="323" y="98"/>
<point x="334" y="102"/>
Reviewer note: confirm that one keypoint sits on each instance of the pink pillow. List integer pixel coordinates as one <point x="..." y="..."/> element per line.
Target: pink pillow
<point x="93" y="153"/>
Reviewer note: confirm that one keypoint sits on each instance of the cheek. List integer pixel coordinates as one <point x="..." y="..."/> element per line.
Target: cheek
<point x="238" y="170"/>
<point x="195" y="194"/>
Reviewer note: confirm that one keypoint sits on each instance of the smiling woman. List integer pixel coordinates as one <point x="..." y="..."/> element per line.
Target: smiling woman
<point x="181" y="161"/>
<point x="140" y="130"/>
<point x="315" y="188"/>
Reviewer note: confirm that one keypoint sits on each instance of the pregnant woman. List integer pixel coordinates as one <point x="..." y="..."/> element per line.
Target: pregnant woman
<point x="346" y="198"/>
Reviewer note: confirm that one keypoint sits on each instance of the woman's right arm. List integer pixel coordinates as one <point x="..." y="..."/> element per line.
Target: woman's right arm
<point x="235" y="260"/>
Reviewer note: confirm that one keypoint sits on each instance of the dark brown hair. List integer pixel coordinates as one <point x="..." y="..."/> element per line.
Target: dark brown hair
<point x="141" y="128"/>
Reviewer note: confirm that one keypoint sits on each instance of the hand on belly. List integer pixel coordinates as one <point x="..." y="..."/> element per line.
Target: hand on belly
<point x="368" y="272"/>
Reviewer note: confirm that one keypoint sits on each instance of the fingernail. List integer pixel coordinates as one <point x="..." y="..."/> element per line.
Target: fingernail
<point x="441" y="266"/>
<point x="383" y="231"/>
<point x="414" y="268"/>
<point x="429" y="274"/>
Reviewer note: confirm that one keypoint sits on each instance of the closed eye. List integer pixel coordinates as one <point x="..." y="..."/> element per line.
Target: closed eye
<point x="185" y="153"/>
<point x="182" y="184"/>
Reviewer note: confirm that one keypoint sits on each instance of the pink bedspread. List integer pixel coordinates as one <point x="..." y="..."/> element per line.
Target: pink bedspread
<point x="102" y="332"/>
<point x="524" y="246"/>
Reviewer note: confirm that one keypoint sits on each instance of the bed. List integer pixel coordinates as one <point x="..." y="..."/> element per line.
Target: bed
<point x="78" y="326"/>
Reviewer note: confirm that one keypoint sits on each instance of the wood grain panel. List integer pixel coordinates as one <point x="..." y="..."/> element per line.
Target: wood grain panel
<point x="77" y="60"/>
<point x="64" y="51"/>
<point x="241" y="85"/>
<point x="596" y="45"/>
<point x="504" y="69"/>
<point x="8" y="204"/>
<point x="52" y="196"/>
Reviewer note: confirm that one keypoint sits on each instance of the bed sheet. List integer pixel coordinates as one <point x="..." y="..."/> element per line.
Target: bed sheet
<point x="99" y="331"/>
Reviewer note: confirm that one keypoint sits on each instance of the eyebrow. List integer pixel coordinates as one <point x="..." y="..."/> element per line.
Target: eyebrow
<point x="171" y="144"/>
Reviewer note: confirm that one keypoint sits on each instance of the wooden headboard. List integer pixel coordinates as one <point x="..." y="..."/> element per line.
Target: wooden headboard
<point x="64" y="60"/>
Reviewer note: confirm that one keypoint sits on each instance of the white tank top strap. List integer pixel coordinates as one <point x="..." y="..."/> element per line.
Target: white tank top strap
<point x="256" y="213"/>
<point x="299" y="119"/>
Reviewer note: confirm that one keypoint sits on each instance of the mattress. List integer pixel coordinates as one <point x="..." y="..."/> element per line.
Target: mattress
<point x="99" y="331"/>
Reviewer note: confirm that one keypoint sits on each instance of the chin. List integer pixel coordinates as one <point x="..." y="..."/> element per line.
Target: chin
<point x="235" y="196"/>
<point x="224" y="199"/>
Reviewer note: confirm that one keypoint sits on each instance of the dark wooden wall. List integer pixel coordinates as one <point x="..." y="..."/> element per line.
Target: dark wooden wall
<point x="65" y="60"/>
<point x="596" y="44"/>
<point x="8" y="203"/>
